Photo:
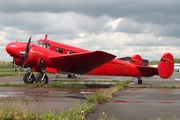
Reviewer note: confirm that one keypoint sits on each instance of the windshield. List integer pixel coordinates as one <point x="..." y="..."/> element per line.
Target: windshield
<point x="40" y="43"/>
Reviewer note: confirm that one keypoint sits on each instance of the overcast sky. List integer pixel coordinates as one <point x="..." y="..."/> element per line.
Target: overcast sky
<point x="120" y="27"/>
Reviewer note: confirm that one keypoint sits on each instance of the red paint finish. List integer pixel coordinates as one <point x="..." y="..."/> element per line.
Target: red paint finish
<point x="44" y="55"/>
<point x="55" y="57"/>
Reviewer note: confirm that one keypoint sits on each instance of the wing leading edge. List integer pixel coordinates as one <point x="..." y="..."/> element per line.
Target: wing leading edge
<point x="81" y="63"/>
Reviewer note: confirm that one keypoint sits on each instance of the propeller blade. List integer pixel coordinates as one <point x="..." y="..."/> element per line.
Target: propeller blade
<point x="27" y="47"/>
<point x="22" y="64"/>
<point x="26" y="52"/>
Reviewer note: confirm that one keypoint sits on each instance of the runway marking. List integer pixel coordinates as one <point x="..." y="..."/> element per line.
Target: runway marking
<point x="136" y="101"/>
<point x="178" y="79"/>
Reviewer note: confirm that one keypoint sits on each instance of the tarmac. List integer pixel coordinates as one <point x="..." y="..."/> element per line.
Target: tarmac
<point x="129" y="104"/>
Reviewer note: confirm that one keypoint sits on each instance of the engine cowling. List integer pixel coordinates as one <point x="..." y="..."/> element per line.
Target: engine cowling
<point x="136" y="60"/>
<point x="36" y="57"/>
<point x="18" y="61"/>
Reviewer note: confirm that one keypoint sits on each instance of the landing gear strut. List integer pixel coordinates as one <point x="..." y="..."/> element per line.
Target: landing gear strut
<point x="139" y="81"/>
<point x="29" y="77"/>
<point x="42" y="77"/>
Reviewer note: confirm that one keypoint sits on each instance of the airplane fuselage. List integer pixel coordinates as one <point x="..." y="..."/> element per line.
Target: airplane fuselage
<point x="54" y="57"/>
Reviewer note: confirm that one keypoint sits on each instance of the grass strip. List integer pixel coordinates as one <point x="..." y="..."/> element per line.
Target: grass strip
<point x="13" y="111"/>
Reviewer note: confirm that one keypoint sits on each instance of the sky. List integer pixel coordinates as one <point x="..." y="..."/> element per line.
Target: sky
<point x="120" y="27"/>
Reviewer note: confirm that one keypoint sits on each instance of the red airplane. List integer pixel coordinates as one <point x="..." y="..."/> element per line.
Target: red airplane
<point x="47" y="55"/>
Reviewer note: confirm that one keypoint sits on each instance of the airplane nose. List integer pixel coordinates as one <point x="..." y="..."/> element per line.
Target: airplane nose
<point x="14" y="49"/>
<point x="9" y="48"/>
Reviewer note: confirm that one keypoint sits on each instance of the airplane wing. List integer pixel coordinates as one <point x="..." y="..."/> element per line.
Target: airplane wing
<point x="81" y="63"/>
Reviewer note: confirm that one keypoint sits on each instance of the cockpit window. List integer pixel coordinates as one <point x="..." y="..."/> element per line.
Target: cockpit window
<point x="59" y="50"/>
<point x="42" y="44"/>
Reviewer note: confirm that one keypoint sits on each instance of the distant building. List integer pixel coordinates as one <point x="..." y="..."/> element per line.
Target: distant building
<point x="177" y="67"/>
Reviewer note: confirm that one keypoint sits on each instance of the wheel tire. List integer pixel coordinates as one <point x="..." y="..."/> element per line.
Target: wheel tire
<point x="139" y="81"/>
<point x="28" y="80"/>
<point x="39" y="77"/>
<point x="69" y="76"/>
<point x="57" y="76"/>
<point x="73" y="76"/>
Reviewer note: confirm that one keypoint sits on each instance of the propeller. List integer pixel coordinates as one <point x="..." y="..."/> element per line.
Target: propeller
<point x="25" y="53"/>
<point x="13" y="61"/>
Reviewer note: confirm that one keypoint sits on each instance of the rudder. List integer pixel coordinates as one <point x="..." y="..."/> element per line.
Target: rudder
<point x="166" y="65"/>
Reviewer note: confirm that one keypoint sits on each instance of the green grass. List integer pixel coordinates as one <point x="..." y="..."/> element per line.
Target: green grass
<point x="56" y="85"/>
<point x="156" y="86"/>
<point x="103" y="96"/>
<point x="11" y="111"/>
<point x="10" y="72"/>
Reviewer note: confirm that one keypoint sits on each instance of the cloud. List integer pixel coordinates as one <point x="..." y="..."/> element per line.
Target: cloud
<point x="120" y="27"/>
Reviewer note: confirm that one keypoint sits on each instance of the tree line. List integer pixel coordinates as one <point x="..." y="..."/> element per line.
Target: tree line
<point x="155" y="62"/>
<point x="7" y="65"/>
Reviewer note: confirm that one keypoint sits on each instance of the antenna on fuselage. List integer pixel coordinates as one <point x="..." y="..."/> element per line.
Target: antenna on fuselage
<point x="46" y="37"/>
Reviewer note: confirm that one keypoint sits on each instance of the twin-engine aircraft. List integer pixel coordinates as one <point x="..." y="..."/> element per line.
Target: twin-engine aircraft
<point x="49" y="56"/>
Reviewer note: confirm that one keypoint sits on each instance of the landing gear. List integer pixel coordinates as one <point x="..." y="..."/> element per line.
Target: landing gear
<point x="57" y="76"/>
<point x="139" y="81"/>
<point x="71" y="75"/>
<point x="29" y="78"/>
<point x="42" y="78"/>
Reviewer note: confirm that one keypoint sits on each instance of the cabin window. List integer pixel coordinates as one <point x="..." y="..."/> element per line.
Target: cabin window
<point x="59" y="50"/>
<point x="70" y="52"/>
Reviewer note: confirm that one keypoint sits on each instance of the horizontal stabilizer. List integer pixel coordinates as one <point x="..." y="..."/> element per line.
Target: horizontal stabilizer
<point x="164" y="69"/>
<point x="81" y="63"/>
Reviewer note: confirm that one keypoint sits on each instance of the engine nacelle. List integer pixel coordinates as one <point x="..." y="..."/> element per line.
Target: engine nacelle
<point x="18" y="61"/>
<point x="36" y="57"/>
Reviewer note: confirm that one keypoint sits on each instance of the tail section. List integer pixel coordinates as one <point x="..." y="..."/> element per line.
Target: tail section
<point x="166" y="65"/>
<point x="137" y="60"/>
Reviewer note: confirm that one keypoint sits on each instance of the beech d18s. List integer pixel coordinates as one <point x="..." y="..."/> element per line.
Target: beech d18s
<point x="50" y="56"/>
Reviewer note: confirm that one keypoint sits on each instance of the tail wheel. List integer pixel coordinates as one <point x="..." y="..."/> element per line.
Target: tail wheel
<point x="42" y="78"/>
<point x="28" y="78"/>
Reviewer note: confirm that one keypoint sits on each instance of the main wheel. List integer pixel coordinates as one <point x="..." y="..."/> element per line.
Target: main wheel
<point x="28" y="78"/>
<point x="73" y="76"/>
<point x="139" y="81"/>
<point x="40" y="79"/>
<point x="69" y="76"/>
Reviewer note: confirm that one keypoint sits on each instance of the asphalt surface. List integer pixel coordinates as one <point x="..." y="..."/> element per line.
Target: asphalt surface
<point x="130" y="104"/>
<point x="143" y="104"/>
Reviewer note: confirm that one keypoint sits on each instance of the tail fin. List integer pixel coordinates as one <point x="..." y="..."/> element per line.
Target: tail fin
<point x="166" y="65"/>
<point x="137" y="60"/>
